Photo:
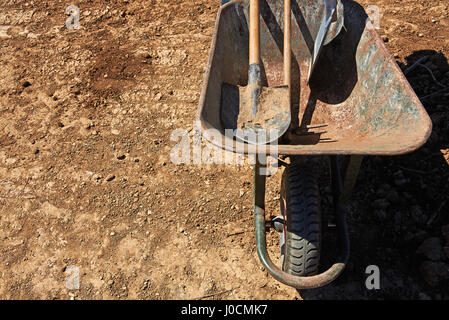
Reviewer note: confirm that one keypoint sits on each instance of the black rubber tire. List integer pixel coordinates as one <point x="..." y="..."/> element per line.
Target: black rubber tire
<point x="300" y="208"/>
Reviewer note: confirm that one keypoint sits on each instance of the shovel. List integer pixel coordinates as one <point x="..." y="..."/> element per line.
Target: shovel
<point x="264" y="112"/>
<point x="330" y="7"/>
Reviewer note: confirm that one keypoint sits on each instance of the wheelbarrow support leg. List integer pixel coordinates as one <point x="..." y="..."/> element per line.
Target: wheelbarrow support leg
<point x="294" y="281"/>
<point x="351" y="174"/>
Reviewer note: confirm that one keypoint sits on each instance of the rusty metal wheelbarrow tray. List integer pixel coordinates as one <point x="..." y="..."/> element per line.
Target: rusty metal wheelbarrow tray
<point x="357" y="102"/>
<point x="357" y="89"/>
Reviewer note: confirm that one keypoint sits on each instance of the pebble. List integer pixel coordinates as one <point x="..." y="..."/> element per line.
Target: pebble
<point x="381" y="204"/>
<point x="417" y="215"/>
<point x="446" y="252"/>
<point x="401" y="182"/>
<point x="397" y="221"/>
<point x="393" y="196"/>
<point x="26" y="84"/>
<point x="158" y="96"/>
<point x="380" y="214"/>
<point x="434" y="272"/>
<point x="383" y="190"/>
<point x="417" y="236"/>
<point x="424" y="296"/>
<point x="445" y="232"/>
<point x="431" y="248"/>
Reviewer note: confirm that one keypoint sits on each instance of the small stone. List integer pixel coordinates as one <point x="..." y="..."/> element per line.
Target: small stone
<point x="417" y="215"/>
<point x="401" y="182"/>
<point x="110" y="177"/>
<point x="112" y="234"/>
<point x="434" y="272"/>
<point x="420" y="235"/>
<point x="424" y="296"/>
<point x="4" y="32"/>
<point x="115" y="132"/>
<point x="383" y="190"/>
<point x="445" y="232"/>
<point x="420" y="35"/>
<point x="380" y="214"/>
<point x="158" y="96"/>
<point x="446" y="252"/>
<point x="397" y="221"/>
<point x="431" y="249"/>
<point x="393" y="196"/>
<point x="381" y="204"/>
<point x="26" y="84"/>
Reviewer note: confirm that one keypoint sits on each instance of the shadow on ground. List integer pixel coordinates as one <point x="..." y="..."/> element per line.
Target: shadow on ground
<point x="398" y="218"/>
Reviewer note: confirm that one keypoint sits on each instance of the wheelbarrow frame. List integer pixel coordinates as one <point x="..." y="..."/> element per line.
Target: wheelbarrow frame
<point x="341" y="190"/>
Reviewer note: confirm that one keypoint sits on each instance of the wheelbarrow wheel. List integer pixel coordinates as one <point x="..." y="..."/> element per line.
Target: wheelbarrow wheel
<point x="300" y="209"/>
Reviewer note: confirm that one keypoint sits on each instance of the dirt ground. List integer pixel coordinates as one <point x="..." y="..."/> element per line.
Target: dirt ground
<point x="86" y="181"/>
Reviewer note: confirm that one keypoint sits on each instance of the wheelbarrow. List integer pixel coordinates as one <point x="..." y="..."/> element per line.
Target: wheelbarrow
<point x="355" y="103"/>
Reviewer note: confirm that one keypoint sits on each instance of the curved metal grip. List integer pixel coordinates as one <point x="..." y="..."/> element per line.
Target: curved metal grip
<point x="311" y="282"/>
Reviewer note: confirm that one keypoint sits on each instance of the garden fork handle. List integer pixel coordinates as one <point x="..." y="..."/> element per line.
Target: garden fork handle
<point x="287" y="43"/>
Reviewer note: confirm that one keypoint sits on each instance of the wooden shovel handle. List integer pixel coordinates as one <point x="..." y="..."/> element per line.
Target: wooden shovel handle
<point x="287" y="43"/>
<point x="254" y="37"/>
<point x="254" y="32"/>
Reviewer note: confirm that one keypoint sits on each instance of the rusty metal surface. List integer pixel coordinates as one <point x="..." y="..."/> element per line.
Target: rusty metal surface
<point x="357" y="89"/>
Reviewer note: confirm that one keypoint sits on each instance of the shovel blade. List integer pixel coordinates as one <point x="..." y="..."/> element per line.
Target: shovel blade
<point x="269" y="121"/>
